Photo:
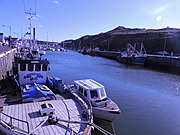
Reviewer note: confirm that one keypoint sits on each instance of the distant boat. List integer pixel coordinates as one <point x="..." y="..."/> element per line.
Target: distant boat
<point x="132" y="56"/>
<point x="57" y="49"/>
<point x="103" y="107"/>
<point x="63" y="50"/>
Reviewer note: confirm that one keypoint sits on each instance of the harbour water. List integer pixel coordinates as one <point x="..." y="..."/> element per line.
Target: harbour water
<point x="149" y="100"/>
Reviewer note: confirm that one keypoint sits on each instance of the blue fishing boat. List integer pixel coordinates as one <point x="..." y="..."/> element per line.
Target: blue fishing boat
<point x="132" y="56"/>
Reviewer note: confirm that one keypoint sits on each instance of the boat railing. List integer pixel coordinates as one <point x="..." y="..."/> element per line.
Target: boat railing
<point x="10" y="123"/>
<point x="88" y="105"/>
<point x="83" y="101"/>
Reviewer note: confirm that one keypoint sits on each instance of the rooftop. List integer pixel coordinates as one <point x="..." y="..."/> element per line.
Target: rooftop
<point x="89" y="84"/>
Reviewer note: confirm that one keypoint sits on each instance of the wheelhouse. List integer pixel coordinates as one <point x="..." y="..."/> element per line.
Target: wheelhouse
<point x="33" y="71"/>
<point x="91" y="89"/>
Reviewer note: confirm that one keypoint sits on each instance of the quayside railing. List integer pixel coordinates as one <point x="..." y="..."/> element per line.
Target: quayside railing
<point x="10" y="124"/>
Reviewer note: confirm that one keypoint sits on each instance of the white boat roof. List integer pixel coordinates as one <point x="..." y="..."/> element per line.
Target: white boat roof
<point x="88" y="84"/>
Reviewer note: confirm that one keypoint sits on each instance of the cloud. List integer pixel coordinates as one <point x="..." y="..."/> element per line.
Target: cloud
<point x="56" y="2"/>
<point x="158" y="18"/>
<point x="160" y="9"/>
<point x="40" y="26"/>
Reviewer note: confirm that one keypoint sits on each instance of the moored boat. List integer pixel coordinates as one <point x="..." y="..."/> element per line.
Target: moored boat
<point x="132" y="56"/>
<point x="103" y="107"/>
<point x="63" y="114"/>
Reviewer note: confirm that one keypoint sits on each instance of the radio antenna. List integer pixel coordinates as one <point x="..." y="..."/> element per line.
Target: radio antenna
<point x="30" y="13"/>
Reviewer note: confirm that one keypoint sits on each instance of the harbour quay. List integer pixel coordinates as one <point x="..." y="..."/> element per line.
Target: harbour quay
<point x="109" y="54"/>
<point x="105" y="54"/>
<point x="164" y="63"/>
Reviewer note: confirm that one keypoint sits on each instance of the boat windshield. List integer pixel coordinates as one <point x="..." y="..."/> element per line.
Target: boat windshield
<point x="102" y="92"/>
<point x="94" y="94"/>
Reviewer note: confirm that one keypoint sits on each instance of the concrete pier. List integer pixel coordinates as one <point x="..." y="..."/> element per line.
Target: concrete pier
<point x="6" y="61"/>
<point x="109" y="54"/>
<point x="164" y="63"/>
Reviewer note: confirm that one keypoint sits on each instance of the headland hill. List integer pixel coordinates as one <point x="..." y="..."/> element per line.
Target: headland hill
<point x="154" y="40"/>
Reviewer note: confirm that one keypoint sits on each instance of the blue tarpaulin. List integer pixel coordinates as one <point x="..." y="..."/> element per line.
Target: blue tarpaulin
<point x="35" y="91"/>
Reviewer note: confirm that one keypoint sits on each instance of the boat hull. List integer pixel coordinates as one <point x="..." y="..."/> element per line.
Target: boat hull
<point x="109" y="115"/>
<point x="132" y="60"/>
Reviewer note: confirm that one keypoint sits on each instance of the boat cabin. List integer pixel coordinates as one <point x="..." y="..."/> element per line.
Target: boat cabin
<point x="33" y="71"/>
<point x="91" y="89"/>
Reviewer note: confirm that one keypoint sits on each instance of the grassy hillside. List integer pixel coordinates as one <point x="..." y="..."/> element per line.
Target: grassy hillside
<point x="117" y="39"/>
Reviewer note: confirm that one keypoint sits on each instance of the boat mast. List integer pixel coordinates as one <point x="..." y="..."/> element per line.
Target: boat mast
<point x="142" y="50"/>
<point x="30" y="13"/>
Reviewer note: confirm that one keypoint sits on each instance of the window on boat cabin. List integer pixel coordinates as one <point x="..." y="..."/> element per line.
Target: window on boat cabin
<point x="38" y="67"/>
<point x="23" y="67"/>
<point x="30" y="67"/>
<point x="85" y="93"/>
<point x="44" y="68"/>
<point x="103" y="92"/>
<point x="76" y="87"/>
<point x="81" y="90"/>
<point x="94" y="94"/>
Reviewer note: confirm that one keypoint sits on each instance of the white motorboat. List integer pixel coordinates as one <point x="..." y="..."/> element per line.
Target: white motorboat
<point x="103" y="107"/>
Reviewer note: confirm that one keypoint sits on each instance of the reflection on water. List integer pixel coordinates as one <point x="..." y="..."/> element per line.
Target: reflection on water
<point x="109" y="126"/>
<point x="149" y="100"/>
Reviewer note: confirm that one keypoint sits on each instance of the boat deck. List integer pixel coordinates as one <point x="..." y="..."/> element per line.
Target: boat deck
<point x="67" y="109"/>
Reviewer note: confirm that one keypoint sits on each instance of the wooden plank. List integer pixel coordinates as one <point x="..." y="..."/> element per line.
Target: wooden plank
<point x="34" y="111"/>
<point x="40" y="130"/>
<point x="73" y="114"/>
<point x="51" y="131"/>
<point x="15" y="114"/>
<point x="24" y="117"/>
<point x="31" y="115"/>
<point x="76" y="115"/>
<point x="20" y="116"/>
<point x="66" y="110"/>
<point x="28" y="117"/>
<point x="41" y="119"/>
<point x="8" y="112"/>
<point x="5" y="118"/>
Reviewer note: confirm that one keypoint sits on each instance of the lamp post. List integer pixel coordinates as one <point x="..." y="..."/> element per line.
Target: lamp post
<point x="9" y="33"/>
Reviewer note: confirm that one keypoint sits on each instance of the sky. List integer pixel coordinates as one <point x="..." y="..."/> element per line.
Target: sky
<point x="58" y="20"/>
